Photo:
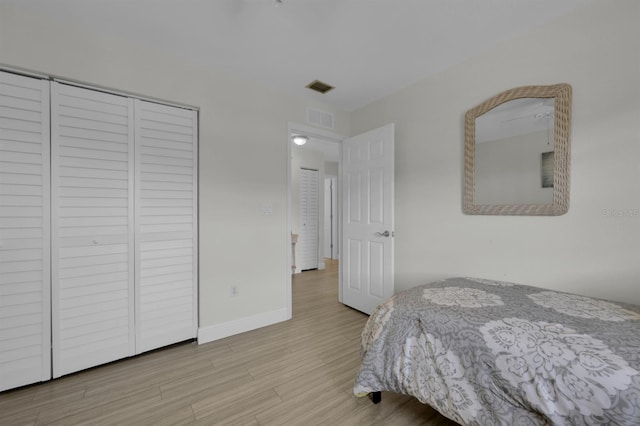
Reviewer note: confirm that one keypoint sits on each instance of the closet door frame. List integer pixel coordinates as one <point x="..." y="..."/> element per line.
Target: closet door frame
<point x="309" y="239"/>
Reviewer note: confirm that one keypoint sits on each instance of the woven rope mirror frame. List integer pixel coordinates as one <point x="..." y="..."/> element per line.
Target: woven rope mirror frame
<point x="562" y="95"/>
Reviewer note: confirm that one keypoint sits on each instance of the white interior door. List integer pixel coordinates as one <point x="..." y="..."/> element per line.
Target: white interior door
<point x="25" y="286"/>
<point x="307" y="246"/>
<point x="92" y="235"/>
<point x="367" y="225"/>
<point x="166" y="225"/>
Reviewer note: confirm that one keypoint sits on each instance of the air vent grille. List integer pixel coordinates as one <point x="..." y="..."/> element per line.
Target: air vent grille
<point x="319" y="86"/>
<point x="320" y="118"/>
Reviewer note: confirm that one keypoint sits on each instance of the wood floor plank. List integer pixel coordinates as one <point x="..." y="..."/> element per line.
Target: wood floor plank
<point x="144" y="410"/>
<point x="298" y="406"/>
<point x="285" y="368"/>
<point x="98" y="411"/>
<point x="192" y="386"/>
<point x="237" y="412"/>
<point x="145" y="377"/>
<point x="299" y="372"/>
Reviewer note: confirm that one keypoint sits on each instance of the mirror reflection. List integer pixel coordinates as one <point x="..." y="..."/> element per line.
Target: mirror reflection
<point x="514" y="153"/>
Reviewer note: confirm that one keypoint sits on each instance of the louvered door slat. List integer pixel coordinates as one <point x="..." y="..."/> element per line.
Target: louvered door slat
<point x="25" y="328"/>
<point x="307" y="246"/>
<point x="166" y="228"/>
<point x="92" y="181"/>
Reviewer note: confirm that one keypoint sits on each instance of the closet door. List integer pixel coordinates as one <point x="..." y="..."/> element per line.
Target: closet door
<point x="309" y="205"/>
<point x="25" y="327"/>
<point x="166" y="225"/>
<point x="92" y="235"/>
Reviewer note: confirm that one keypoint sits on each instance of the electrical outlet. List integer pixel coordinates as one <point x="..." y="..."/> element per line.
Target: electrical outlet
<point x="233" y="291"/>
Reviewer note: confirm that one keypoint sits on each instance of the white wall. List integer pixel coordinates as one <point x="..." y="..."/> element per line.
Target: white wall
<point x="243" y="157"/>
<point x="331" y="168"/>
<point x="594" y="249"/>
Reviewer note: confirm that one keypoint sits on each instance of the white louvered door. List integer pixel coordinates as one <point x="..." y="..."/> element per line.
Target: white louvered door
<point x="92" y="228"/>
<point x="166" y="225"/>
<point x="25" y="327"/>
<point x="307" y="246"/>
<point x="98" y="228"/>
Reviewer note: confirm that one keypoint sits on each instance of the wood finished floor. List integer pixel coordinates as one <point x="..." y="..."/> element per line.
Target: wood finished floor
<point x="299" y="372"/>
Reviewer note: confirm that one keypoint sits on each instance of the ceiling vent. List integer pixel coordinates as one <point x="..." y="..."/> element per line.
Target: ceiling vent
<point x="320" y="118"/>
<point x="319" y="86"/>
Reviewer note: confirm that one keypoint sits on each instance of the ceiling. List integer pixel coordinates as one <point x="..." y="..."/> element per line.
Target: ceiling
<point x="367" y="49"/>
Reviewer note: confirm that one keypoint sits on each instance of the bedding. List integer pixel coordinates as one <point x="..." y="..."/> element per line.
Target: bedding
<point x="485" y="352"/>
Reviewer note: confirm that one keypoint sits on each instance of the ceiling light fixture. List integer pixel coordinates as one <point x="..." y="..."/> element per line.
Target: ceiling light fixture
<point x="300" y="139"/>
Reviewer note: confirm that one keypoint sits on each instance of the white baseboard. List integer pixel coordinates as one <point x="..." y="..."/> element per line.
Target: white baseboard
<point x="220" y="331"/>
<point x="322" y="265"/>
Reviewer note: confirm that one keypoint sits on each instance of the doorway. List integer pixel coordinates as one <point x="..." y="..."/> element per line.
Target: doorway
<point x="366" y="186"/>
<point x="321" y="155"/>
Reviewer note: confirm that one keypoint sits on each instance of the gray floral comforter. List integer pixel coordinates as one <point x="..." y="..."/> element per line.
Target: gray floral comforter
<point x="486" y="352"/>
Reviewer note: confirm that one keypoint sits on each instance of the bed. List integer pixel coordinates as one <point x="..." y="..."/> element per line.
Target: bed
<point x="485" y="352"/>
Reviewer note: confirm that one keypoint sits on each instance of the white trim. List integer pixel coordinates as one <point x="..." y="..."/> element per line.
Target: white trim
<point x="313" y="132"/>
<point x="289" y="244"/>
<point x="322" y="265"/>
<point x="231" y="328"/>
<point x="23" y="72"/>
<point x="62" y="80"/>
<point x="121" y="93"/>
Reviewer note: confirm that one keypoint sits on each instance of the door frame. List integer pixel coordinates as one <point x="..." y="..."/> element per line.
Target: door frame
<point x="329" y="136"/>
<point x="333" y="213"/>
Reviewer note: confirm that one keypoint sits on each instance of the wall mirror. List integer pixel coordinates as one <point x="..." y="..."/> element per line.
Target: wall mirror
<point x="516" y="155"/>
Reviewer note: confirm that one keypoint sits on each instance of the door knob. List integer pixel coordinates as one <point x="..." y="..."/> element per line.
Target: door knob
<point x="382" y="234"/>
